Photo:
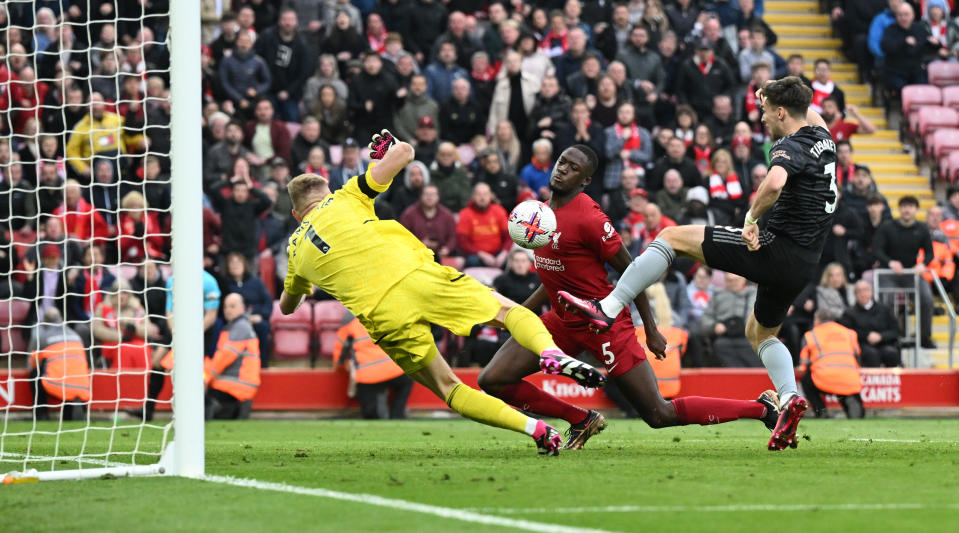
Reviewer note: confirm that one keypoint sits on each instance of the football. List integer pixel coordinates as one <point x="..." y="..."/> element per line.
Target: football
<point x="531" y="224"/>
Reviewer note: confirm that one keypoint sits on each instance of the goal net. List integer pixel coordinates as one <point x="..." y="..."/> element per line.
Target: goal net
<point x="87" y="255"/>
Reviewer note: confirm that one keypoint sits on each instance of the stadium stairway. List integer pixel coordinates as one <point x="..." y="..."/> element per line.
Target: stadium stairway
<point x="803" y="30"/>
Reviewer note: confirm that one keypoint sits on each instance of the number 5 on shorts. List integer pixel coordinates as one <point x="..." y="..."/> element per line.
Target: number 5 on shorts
<point x="608" y="356"/>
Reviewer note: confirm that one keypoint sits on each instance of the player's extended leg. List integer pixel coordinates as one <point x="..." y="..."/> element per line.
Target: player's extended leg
<point x="530" y="333"/>
<point x="473" y="404"/>
<point x="503" y="378"/>
<point x="646" y="269"/>
<point x="779" y="365"/>
<point x="639" y="386"/>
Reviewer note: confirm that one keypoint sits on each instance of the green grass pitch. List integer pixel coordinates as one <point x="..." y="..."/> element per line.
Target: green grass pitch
<point x="630" y="478"/>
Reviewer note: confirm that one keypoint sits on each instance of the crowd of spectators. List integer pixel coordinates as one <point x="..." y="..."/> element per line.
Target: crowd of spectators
<point x="488" y="92"/>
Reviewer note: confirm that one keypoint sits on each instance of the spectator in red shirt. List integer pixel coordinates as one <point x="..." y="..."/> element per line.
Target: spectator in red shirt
<point x="80" y="219"/>
<point x="636" y="219"/>
<point x="431" y="222"/>
<point x="840" y="129"/>
<point x="845" y="168"/>
<point x="655" y="222"/>
<point x="139" y="230"/>
<point x="481" y="231"/>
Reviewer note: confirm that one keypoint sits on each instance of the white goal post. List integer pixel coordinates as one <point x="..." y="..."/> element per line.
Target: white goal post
<point x="32" y="449"/>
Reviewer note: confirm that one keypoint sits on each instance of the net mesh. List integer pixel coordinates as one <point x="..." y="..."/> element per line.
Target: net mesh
<point x="84" y="223"/>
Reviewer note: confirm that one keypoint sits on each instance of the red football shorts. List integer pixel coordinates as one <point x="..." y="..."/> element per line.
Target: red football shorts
<point x="617" y="348"/>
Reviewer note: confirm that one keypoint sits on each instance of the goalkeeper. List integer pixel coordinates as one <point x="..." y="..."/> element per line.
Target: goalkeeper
<point x="389" y="280"/>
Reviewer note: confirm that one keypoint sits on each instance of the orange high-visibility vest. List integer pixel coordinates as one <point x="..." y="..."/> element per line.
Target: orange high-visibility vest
<point x="235" y="367"/>
<point x="370" y="362"/>
<point x="951" y="229"/>
<point x="942" y="263"/>
<point x="667" y="370"/>
<point x="63" y="370"/>
<point x="830" y="353"/>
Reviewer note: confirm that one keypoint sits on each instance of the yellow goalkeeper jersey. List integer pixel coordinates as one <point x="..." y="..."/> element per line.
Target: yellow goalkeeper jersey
<point x="344" y="249"/>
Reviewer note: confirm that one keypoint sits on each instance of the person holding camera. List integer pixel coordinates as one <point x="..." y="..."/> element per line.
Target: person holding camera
<point x="725" y="321"/>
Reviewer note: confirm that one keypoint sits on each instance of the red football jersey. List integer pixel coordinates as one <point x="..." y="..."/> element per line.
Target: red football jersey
<point x="575" y="260"/>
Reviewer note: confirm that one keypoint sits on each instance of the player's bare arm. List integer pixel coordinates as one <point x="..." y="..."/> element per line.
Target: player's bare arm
<point x="537" y="300"/>
<point x="289" y="302"/>
<point x="654" y="339"/>
<point x="766" y="196"/>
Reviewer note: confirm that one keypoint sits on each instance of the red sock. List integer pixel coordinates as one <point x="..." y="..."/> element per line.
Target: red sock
<point x="528" y="397"/>
<point x="703" y="411"/>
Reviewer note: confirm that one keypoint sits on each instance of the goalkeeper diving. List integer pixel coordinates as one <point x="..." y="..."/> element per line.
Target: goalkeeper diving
<point x="390" y="281"/>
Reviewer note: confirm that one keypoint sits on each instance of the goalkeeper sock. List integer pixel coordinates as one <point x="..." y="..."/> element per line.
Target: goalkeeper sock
<point x="488" y="410"/>
<point x="528" y="397"/>
<point x="779" y="366"/>
<point x="528" y="330"/>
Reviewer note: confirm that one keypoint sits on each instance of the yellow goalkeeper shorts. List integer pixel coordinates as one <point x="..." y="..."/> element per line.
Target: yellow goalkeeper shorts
<point x="431" y="294"/>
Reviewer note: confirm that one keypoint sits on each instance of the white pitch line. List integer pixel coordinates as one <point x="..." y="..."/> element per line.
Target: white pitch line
<point x="718" y="508"/>
<point x="403" y="505"/>
<point x="908" y="441"/>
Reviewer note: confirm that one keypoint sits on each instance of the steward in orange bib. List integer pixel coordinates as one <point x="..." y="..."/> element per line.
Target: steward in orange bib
<point x="372" y="372"/>
<point x="831" y="356"/>
<point x="59" y="363"/>
<point x="232" y="376"/>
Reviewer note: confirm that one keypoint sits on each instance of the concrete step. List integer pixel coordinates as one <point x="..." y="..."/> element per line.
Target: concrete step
<point x="894" y="192"/>
<point x="809" y="67"/>
<point x="817" y="43"/>
<point x="795" y="30"/>
<point x="868" y="143"/>
<point x="883" y="167"/>
<point x="887" y="180"/>
<point x="807" y="16"/>
<point x="885" y="135"/>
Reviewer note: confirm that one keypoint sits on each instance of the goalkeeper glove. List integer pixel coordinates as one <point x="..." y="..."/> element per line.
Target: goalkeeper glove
<point x="380" y="144"/>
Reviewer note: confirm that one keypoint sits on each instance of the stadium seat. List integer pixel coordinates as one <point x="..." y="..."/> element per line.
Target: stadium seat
<point x="292" y="333"/>
<point x="943" y="143"/>
<point x="916" y="96"/>
<point x="943" y="73"/>
<point x="267" y="268"/>
<point x="327" y="318"/>
<point x="293" y="128"/>
<point x="484" y="275"/>
<point x="932" y="118"/>
<point x="13" y="313"/>
<point x="455" y="262"/>
<point x="950" y="96"/>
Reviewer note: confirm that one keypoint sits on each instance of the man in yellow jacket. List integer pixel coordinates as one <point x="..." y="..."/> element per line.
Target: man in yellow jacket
<point x="372" y="372"/>
<point x="100" y="133"/>
<point x="831" y="355"/>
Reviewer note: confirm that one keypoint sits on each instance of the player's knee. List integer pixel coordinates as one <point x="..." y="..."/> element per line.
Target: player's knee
<point x="660" y="416"/>
<point x="487" y="381"/>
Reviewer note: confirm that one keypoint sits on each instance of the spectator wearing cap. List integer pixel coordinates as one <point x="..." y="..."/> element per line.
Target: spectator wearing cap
<point x="374" y="96"/>
<point x="642" y="63"/>
<point x="416" y="105"/>
<point x="627" y="145"/>
<point x="244" y="75"/>
<point x="431" y="222"/>
<point x="442" y="71"/>
<point x="841" y="129"/>
<point x="265" y="136"/>
<point x="702" y="77"/>
<point x="682" y="17"/>
<point x="896" y="246"/>
<point x="290" y="62"/>
<point x="306" y="139"/>
<point x="426" y="141"/>
<point x="461" y="118"/>
<point x="677" y="159"/>
<point x="697" y="208"/>
<point x="535" y="175"/>
<point x="514" y="94"/>
<point x="904" y="45"/>
<point x="672" y="197"/>
<point x="503" y="185"/>
<point x="408" y="191"/>
<point x="218" y="161"/>
<point x="350" y="165"/>
<point x="481" y="232"/>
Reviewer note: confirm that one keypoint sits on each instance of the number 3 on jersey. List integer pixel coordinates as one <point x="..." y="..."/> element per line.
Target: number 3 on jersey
<point x="830" y="169"/>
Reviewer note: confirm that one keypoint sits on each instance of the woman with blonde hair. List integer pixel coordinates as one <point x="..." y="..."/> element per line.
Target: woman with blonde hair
<point x="139" y="230"/>
<point x="506" y="143"/>
<point x="121" y="329"/>
<point x="728" y="198"/>
<point x="833" y="293"/>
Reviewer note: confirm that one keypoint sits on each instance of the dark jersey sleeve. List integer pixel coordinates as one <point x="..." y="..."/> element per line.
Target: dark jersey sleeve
<point x="788" y="155"/>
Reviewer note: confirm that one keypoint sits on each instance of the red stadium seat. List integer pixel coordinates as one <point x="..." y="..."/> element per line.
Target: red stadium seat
<point x="941" y="144"/>
<point x="455" y="262"/>
<point x="950" y="96"/>
<point x="292" y="337"/>
<point x="916" y="96"/>
<point x="943" y="73"/>
<point x="951" y="172"/>
<point x="932" y="118"/>
<point x="327" y="318"/>
<point x="267" y="268"/>
<point x="13" y="313"/>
